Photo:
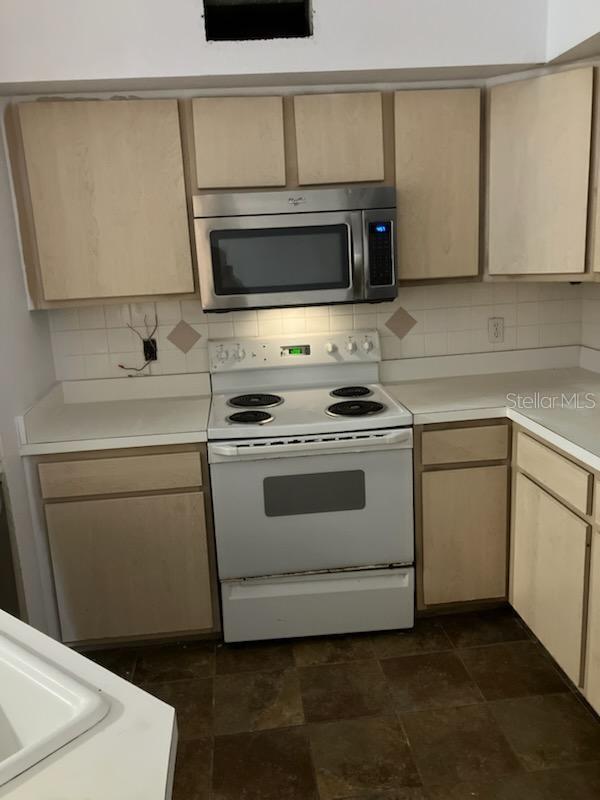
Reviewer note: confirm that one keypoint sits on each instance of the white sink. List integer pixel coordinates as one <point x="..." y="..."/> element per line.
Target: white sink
<point x="41" y="709"/>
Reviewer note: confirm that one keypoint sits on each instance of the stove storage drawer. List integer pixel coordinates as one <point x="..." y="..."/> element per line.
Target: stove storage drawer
<point x="318" y="604"/>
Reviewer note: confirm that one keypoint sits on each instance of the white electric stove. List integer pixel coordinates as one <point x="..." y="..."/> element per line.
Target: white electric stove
<point x="311" y="472"/>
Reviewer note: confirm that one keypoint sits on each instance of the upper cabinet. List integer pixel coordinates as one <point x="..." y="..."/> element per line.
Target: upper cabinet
<point x="539" y="163"/>
<point x="437" y="136"/>
<point x="339" y="137"/>
<point x="101" y="198"/>
<point x="238" y="142"/>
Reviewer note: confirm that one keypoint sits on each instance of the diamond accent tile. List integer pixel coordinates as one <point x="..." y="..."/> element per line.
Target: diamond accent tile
<point x="400" y="323"/>
<point x="183" y="336"/>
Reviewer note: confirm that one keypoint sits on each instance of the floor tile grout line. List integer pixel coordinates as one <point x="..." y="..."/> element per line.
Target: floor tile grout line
<point x="416" y="653"/>
<point x="410" y="747"/>
<point x="471" y="676"/>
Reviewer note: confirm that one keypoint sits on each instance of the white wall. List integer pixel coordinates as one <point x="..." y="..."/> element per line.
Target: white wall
<point x="569" y="23"/>
<point x="26" y="372"/>
<point x="58" y="40"/>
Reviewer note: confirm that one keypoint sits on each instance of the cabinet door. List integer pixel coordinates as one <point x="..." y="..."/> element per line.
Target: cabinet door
<point x="238" y="141"/>
<point x="339" y="137"/>
<point x="105" y="180"/>
<point x="464" y="534"/>
<point x="539" y="158"/>
<point x="592" y="667"/>
<point x="549" y="547"/>
<point x="437" y="136"/>
<point x="130" y="566"/>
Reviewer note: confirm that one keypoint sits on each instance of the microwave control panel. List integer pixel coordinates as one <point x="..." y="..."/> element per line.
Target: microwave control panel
<point x="381" y="253"/>
<point x="305" y="349"/>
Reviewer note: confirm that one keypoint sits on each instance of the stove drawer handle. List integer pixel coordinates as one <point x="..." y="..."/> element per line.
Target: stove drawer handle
<point x="397" y="437"/>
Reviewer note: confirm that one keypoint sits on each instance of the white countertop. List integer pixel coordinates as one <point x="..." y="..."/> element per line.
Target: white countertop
<point x="96" y="415"/>
<point x="536" y="400"/>
<point x="116" y="413"/>
<point x="129" y="755"/>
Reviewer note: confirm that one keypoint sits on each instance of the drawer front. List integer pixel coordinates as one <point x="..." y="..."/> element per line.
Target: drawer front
<point x="461" y="445"/>
<point x="313" y="605"/>
<point x="561" y="476"/>
<point x="597" y="501"/>
<point x="120" y="475"/>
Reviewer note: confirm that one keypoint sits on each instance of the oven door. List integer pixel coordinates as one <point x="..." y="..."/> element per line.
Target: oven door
<point x="280" y="260"/>
<point x="341" y="506"/>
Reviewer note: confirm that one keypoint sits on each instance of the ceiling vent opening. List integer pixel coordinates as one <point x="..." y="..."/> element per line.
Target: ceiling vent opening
<point x="243" y="20"/>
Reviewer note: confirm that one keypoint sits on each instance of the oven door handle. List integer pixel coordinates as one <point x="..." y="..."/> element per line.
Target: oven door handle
<point x="401" y="438"/>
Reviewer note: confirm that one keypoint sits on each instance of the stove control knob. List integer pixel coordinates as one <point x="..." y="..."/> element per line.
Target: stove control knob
<point x="331" y="347"/>
<point x="222" y="356"/>
<point x="239" y="354"/>
<point x="351" y="346"/>
<point x="367" y="345"/>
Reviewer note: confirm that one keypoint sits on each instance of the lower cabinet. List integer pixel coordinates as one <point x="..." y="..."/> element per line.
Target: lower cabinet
<point x="548" y="586"/>
<point x="130" y="566"/>
<point x="464" y="534"/>
<point x="592" y="670"/>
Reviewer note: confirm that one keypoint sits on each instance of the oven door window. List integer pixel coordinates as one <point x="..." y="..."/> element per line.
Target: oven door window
<point x="314" y="493"/>
<point x="294" y="259"/>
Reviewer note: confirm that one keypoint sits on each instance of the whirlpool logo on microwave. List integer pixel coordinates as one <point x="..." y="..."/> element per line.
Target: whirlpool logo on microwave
<point x="296" y="200"/>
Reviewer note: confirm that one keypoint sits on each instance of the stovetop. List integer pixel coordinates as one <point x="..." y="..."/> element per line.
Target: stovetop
<point x="290" y="412"/>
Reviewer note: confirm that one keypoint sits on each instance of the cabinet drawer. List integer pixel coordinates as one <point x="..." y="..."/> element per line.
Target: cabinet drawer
<point x="597" y="502"/>
<point x="457" y="445"/>
<point x="555" y="472"/>
<point x="118" y="475"/>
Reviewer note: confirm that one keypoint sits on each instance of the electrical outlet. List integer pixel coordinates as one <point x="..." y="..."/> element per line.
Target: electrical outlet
<point x="150" y="350"/>
<point x="495" y="329"/>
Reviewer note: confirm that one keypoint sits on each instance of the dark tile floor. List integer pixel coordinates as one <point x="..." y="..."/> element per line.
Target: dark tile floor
<point x="464" y="706"/>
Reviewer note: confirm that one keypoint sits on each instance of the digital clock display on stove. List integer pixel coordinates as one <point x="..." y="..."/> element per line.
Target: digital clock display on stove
<point x="296" y="350"/>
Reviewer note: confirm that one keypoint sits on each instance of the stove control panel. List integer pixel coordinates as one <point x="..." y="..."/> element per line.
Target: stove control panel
<point x="293" y="350"/>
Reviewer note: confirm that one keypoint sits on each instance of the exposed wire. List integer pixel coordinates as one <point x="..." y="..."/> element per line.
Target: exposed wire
<point x="135" y="369"/>
<point x="147" y="338"/>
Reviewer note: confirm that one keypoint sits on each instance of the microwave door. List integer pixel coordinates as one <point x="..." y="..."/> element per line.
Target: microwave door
<point x="279" y="260"/>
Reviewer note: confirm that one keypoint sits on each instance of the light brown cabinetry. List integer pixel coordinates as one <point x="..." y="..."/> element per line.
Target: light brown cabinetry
<point x="539" y="161"/>
<point x="339" y="137"/>
<point x="130" y="544"/>
<point x="131" y="566"/>
<point x="561" y="476"/>
<point x="452" y="445"/>
<point x="101" y="199"/>
<point x="549" y="551"/>
<point x="147" y="473"/>
<point x="592" y="669"/>
<point x="461" y="480"/>
<point x="437" y="136"/>
<point x="464" y="534"/>
<point x="238" y="142"/>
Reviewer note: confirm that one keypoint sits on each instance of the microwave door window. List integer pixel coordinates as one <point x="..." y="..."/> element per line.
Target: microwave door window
<point x="295" y="259"/>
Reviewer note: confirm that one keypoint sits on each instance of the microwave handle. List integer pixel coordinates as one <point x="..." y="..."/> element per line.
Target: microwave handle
<point x="358" y="254"/>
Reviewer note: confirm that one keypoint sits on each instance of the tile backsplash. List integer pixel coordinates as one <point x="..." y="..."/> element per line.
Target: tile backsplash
<point x="451" y="319"/>
<point x="590" y="315"/>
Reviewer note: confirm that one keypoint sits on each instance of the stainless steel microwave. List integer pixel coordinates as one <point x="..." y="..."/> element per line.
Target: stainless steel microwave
<point x="295" y="248"/>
